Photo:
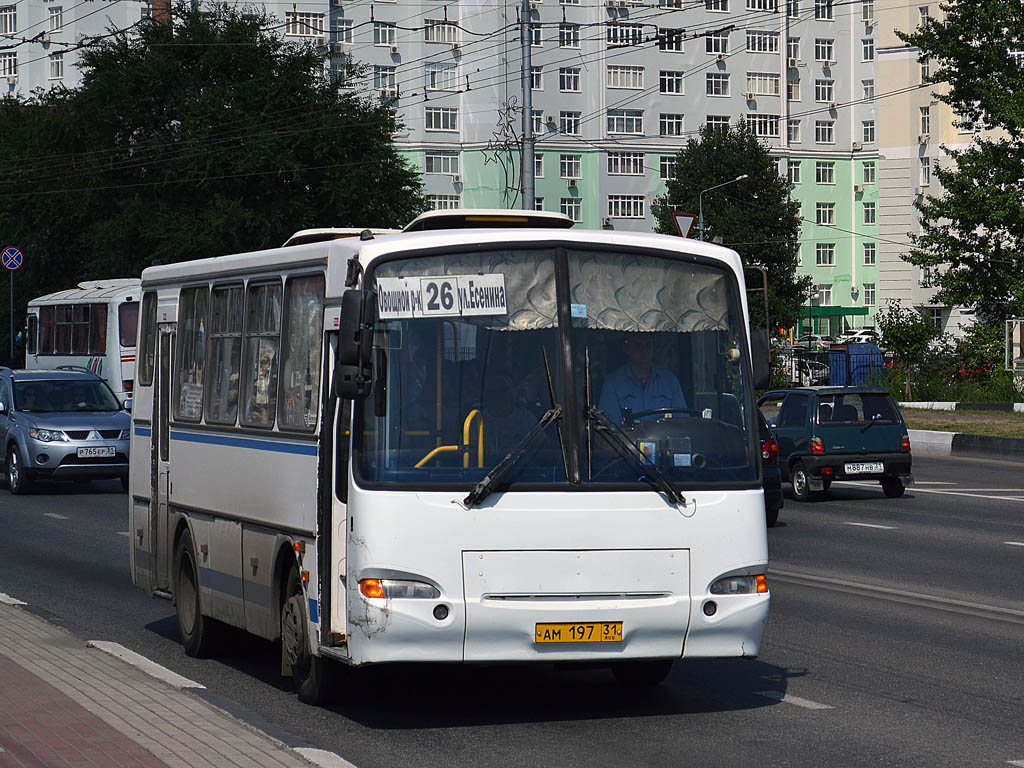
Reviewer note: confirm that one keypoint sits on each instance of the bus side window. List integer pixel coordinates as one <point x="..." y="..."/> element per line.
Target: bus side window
<point x="31" y="334"/>
<point x="97" y="329"/>
<point x="262" y="342"/>
<point x="191" y="357"/>
<point x="301" y="352"/>
<point x="147" y="352"/>
<point x="225" y="355"/>
<point x="47" y="321"/>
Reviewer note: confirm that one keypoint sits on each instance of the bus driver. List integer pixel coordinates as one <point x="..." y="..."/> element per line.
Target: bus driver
<point x="639" y="385"/>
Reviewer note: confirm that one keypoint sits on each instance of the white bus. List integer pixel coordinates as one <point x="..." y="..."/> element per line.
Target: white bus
<point x="92" y="326"/>
<point x="436" y="447"/>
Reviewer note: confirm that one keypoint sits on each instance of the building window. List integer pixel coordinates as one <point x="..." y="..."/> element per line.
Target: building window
<point x="717" y="43"/>
<point x="57" y="65"/>
<point x="825" y="172"/>
<point x="935" y="315"/>
<point x="869" y="213"/>
<point x="341" y="30"/>
<point x="825" y="295"/>
<point x="670" y="125"/>
<point x="670" y="4"/>
<point x="667" y="167"/>
<point x="764" y="83"/>
<point x="625" y="34"/>
<point x="869" y="294"/>
<point x="570" y="166"/>
<point x="568" y="35"/>
<point x="823" y="10"/>
<point x="440" y="31"/>
<point x="717" y="83"/>
<point x="670" y="40"/>
<point x="569" y="79"/>
<point x="926" y="69"/>
<point x="536" y="78"/>
<point x="867" y="48"/>
<point x="792" y="8"/>
<point x="384" y="80"/>
<point x="926" y="171"/>
<point x="569" y="123"/>
<point x="442" y="119"/>
<point x="626" y="206"/>
<point x="538" y="121"/>
<point x="825" y="214"/>
<point x="304" y="24"/>
<point x="824" y="50"/>
<point x="793" y="90"/>
<point x="869" y="254"/>
<point x="868" y="172"/>
<point x="721" y="6"/>
<point x="626" y="163"/>
<point x="670" y="82"/>
<point x="717" y="122"/>
<point x="824" y="91"/>
<point x="441" y="162"/>
<point x="441" y="77"/>
<point x="8" y="20"/>
<point x="571" y="207"/>
<point x="538" y="203"/>
<point x="762" y="5"/>
<point x="922" y="15"/>
<point x="538" y="165"/>
<point x="867" y="10"/>
<point x="384" y="33"/>
<point x="793" y="130"/>
<point x="794" y="171"/>
<point x="569" y="2"/>
<point x="444" y="202"/>
<point x="56" y="18"/>
<point x="867" y="90"/>
<point x="825" y="254"/>
<point x="825" y="131"/>
<point x="926" y="120"/>
<point x="536" y="40"/>
<point x="626" y="121"/>
<point x="624" y="77"/>
<point x="762" y="42"/>
<point x="765" y="126"/>
<point x="868" y="133"/>
<point x="8" y="63"/>
<point x="793" y="47"/>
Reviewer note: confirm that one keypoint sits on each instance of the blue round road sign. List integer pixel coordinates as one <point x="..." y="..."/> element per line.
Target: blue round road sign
<point x="12" y="258"/>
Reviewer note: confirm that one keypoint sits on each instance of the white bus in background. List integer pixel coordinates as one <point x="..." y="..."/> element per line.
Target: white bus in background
<point x="92" y="326"/>
<point x="403" y="449"/>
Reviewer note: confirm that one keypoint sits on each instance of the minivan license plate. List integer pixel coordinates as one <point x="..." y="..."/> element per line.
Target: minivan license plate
<point x="864" y="467"/>
<point x="104" y="452"/>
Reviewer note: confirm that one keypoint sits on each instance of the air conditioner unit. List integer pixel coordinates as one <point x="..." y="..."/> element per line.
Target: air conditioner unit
<point x="793" y="63"/>
<point x="12" y="79"/>
<point x="607" y="221"/>
<point x="338" y="47"/>
<point x="720" y="57"/>
<point x="571" y="183"/>
<point x="918" y="191"/>
<point x="456" y="50"/>
<point x="534" y="5"/>
<point x="751" y="95"/>
<point x="858" y="188"/>
<point x="394" y="49"/>
<point x="456" y="178"/>
<point x="857" y="145"/>
<point x="923" y="138"/>
<point x="389" y="93"/>
<point x="832" y="106"/>
<point x="869" y="23"/>
<point x="336" y="3"/>
<point x="549" y="119"/>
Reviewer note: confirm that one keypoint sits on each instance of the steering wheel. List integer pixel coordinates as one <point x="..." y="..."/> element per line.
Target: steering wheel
<point x="663" y="412"/>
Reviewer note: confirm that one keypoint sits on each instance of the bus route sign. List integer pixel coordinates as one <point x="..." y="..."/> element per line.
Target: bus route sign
<point x="12" y="258"/>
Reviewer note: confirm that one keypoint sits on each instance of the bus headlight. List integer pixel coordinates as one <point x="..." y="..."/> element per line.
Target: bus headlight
<point x="395" y="588"/>
<point x="47" y="435"/>
<point x="740" y="585"/>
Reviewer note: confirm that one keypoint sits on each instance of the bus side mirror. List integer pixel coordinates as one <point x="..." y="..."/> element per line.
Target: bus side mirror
<point x="353" y="375"/>
<point x="760" y="360"/>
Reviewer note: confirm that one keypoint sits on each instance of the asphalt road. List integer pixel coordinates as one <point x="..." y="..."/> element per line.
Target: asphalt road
<point x="895" y="639"/>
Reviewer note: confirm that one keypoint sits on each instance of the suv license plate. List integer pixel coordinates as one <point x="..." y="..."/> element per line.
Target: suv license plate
<point x="580" y="632"/>
<point x="105" y="452"/>
<point x="864" y="467"/>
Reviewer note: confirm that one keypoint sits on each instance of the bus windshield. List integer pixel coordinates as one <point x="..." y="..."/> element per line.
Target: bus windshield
<point x="642" y="356"/>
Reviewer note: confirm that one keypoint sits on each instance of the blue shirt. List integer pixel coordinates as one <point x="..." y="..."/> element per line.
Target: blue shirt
<point x="621" y="390"/>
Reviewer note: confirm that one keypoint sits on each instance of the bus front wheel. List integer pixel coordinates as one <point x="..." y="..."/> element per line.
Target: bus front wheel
<point x="639" y="674"/>
<point x="309" y="672"/>
<point x="199" y="634"/>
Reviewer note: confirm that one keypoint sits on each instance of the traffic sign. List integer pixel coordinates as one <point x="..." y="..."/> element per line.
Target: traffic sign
<point x="12" y="258"/>
<point x="684" y="223"/>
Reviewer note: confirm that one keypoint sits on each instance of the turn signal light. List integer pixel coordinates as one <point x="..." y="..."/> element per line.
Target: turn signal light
<point x="762" y="582"/>
<point x="371" y="588"/>
<point x="905" y="444"/>
<point x="769" y="449"/>
<point x="817" y="447"/>
<point x="299" y="547"/>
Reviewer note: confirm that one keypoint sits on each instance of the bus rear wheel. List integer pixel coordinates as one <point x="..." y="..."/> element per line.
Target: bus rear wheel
<point x="310" y="673"/>
<point x="200" y="635"/>
<point x="642" y="674"/>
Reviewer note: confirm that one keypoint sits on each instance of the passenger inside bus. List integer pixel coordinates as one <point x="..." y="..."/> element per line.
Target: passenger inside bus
<point x="639" y="385"/>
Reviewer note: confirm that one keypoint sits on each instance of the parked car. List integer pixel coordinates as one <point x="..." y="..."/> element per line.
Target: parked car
<point x="811" y="373"/>
<point x="814" y="341"/>
<point x="61" y="425"/>
<point x="771" y="478"/>
<point x="838" y="433"/>
<point x="858" y="336"/>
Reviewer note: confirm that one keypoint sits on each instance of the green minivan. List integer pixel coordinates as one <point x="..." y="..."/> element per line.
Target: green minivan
<point x="838" y="433"/>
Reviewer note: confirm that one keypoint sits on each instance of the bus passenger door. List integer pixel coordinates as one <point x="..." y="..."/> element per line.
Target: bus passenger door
<point x="160" y="546"/>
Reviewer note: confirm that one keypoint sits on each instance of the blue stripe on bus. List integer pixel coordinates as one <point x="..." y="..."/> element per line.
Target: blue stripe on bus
<point x="314" y="611"/>
<point x="302" y="449"/>
<point x="143" y="432"/>
<point x="221" y="582"/>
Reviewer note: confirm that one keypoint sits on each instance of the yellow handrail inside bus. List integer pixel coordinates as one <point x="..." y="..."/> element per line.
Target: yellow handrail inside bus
<point x="466" y="426"/>
<point x="434" y="452"/>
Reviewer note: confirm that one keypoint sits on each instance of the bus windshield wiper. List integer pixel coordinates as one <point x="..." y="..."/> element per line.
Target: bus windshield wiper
<point x="485" y="487"/>
<point x="625" y="447"/>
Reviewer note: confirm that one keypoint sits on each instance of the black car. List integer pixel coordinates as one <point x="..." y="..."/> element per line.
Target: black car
<point x="770" y="473"/>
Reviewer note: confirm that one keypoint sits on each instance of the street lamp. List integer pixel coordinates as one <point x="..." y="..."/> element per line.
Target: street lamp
<point x="700" y="202"/>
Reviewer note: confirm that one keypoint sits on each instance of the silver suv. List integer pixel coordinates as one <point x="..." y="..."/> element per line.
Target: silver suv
<point x="61" y="425"/>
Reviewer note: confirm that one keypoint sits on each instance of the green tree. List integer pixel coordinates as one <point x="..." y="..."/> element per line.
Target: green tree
<point x="206" y="137"/>
<point x="755" y="217"/>
<point x="976" y="227"/>
<point x="907" y="334"/>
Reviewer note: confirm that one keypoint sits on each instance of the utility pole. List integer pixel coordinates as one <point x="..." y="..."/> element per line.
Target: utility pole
<point x="526" y="80"/>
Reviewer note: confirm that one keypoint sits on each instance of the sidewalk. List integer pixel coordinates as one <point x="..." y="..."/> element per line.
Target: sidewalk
<point x="64" y="703"/>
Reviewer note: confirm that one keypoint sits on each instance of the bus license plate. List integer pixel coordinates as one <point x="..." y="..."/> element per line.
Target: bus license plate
<point x="585" y="632"/>
<point x="864" y="467"/>
<point x="105" y="452"/>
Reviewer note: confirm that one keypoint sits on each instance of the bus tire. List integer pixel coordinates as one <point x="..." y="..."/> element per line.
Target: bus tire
<point x="18" y="479"/>
<point x="642" y="674"/>
<point x="199" y="634"/>
<point x="310" y="673"/>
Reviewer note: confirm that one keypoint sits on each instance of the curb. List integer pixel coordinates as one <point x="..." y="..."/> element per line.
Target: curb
<point x="926" y="442"/>
<point x="954" y="406"/>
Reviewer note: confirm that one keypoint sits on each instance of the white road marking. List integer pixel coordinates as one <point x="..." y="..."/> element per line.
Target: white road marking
<point x="932" y="482"/>
<point x="8" y="600"/>
<point x="124" y="533"/>
<point x="788" y="699"/>
<point x="323" y="758"/>
<point x="148" y="666"/>
<point x="1014" y="543"/>
<point x="915" y="489"/>
<point x="1019" y="763"/>
<point x="869" y="525"/>
<point x="55" y="516"/>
